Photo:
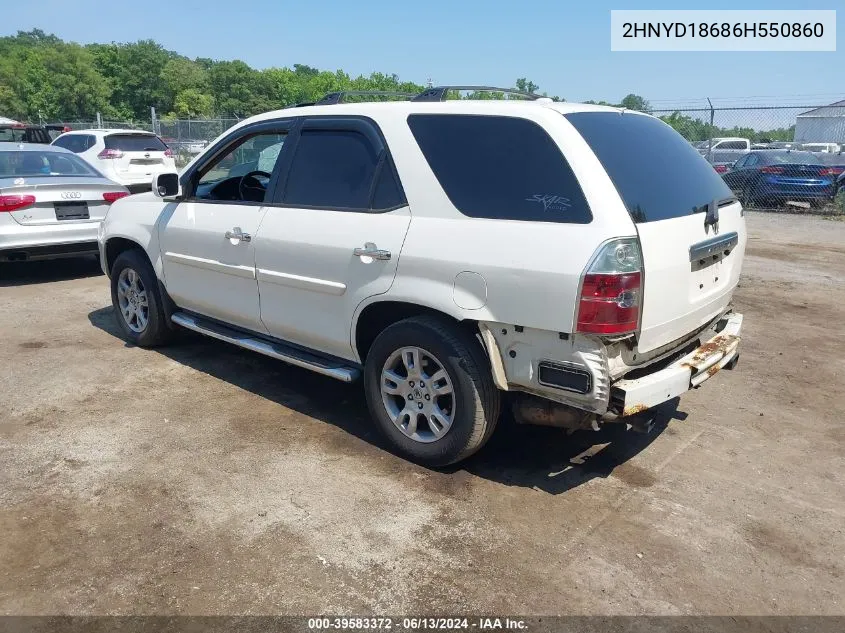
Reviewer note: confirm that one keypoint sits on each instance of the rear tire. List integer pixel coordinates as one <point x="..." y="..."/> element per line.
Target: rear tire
<point x="443" y="405"/>
<point x="137" y="301"/>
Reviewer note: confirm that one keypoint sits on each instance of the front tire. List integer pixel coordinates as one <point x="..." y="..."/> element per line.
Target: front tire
<point x="430" y="390"/>
<point x="137" y="301"/>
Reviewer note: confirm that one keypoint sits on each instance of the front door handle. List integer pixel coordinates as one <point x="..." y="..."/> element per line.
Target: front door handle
<point x="237" y="234"/>
<point x="371" y="250"/>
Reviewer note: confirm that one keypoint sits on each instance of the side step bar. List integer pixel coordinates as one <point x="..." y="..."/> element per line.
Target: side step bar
<point x="274" y="349"/>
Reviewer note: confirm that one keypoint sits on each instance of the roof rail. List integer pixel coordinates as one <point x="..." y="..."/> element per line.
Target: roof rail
<point x="438" y="93"/>
<point x="337" y="97"/>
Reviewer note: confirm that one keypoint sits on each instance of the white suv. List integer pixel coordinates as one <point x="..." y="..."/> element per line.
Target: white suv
<point x="451" y="253"/>
<point x="128" y="157"/>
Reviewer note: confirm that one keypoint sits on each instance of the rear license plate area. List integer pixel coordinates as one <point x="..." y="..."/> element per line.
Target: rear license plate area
<point x="144" y="161"/>
<point x="72" y="211"/>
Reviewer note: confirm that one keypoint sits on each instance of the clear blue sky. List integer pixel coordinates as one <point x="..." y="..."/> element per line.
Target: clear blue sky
<point x="563" y="48"/>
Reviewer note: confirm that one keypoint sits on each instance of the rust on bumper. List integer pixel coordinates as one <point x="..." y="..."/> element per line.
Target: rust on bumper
<point x="635" y="395"/>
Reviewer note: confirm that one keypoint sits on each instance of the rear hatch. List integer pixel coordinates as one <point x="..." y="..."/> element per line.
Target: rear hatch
<point x="690" y="226"/>
<point x="137" y="155"/>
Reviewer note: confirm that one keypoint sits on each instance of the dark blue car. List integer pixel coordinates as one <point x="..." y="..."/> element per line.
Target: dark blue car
<point x="775" y="176"/>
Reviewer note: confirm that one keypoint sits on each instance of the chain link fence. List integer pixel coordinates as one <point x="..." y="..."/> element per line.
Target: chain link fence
<point x="725" y="135"/>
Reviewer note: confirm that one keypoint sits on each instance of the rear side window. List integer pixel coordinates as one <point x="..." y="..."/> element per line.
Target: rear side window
<point x="502" y="168"/>
<point x="656" y="172"/>
<point x="334" y="168"/>
<point x="75" y="142"/>
<point x="135" y="143"/>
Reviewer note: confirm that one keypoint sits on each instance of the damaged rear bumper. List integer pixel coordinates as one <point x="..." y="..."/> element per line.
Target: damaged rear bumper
<point x="632" y="396"/>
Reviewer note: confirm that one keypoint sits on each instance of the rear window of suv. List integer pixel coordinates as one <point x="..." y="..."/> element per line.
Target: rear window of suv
<point x="658" y="174"/>
<point x="135" y="143"/>
<point x="499" y="167"/>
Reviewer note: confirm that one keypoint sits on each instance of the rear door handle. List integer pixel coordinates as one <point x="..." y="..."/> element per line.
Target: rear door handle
<point x="371" y="250"/>
<point x="237" y="234"/>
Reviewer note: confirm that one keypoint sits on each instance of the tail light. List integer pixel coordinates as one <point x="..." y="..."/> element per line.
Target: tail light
<point x="110" y="153"/>
<point x="168" y="152"/>
<point x="112" y="196"/>
<point x="15" y="202"/>
<point x="772" y="169"/>
<point x="611" y="290"/>
<point x="720" y="169"/>
<point x="66" y="128"/>
<point x="831" y="171"/>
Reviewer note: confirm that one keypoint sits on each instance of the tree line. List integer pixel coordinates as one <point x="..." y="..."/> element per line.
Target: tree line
<point x="43" y="78"/>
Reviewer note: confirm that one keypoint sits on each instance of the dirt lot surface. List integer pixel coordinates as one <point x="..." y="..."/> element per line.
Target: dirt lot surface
<point x="203" y="479"/>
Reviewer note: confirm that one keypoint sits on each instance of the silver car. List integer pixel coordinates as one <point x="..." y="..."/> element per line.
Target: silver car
<point x="51" y="202"/>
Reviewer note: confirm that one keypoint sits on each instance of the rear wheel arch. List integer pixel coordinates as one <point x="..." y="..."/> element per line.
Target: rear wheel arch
<point x="374" y="318"/>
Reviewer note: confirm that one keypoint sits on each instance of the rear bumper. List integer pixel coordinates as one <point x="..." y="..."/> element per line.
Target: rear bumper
<point x="801" y="192"/>
<point x="632" y="396"/>
<point x="23" y="242"/>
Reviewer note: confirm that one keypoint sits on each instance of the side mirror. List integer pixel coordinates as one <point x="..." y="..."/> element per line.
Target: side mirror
<point x="166" y="185"/>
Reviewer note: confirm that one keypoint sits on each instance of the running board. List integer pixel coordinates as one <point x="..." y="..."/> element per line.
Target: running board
<point x="274" y="349"/>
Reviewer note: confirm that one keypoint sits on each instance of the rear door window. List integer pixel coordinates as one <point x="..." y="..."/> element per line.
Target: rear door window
<point x="336" y="169"/>
<point x="135" y="143"/>
<point x="656" y="172"/>
<point x="503" y="168"/>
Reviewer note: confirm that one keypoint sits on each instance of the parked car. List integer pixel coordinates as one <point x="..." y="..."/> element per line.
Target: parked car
<point x="723" y="152"/>
<point x="829" y="148"/>
<point x="775" y="176"/>
<point x="51" y="202"/>
<point x="129" y="157"/>
<point x="446" y="252"/>
<point x="723" y="143"/>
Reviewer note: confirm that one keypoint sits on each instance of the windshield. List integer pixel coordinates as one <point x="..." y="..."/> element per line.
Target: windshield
<point x="135" y="143"/>
<point x="23" y="163"/>
<point x="658" y="174"/>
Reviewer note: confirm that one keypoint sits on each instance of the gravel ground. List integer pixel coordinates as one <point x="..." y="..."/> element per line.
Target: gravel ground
<point x="203" y="479"/>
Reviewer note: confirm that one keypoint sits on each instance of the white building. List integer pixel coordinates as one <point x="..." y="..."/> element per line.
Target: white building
<point x="822" y="125"/>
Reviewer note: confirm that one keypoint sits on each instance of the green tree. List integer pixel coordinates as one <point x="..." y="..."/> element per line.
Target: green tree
<point x="134" y="72"/>
<point x="191" y="103"/>
<point x="180" y="73"/>
<point x="526" y="85"/>
<point x="635" y="102"/>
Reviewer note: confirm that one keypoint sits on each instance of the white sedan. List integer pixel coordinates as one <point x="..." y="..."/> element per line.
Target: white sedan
<point x="51" y="202"/>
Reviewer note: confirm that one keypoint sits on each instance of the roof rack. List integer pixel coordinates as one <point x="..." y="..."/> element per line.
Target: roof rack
<point x="337" y="97"/>
<point x="438" y="93"/>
